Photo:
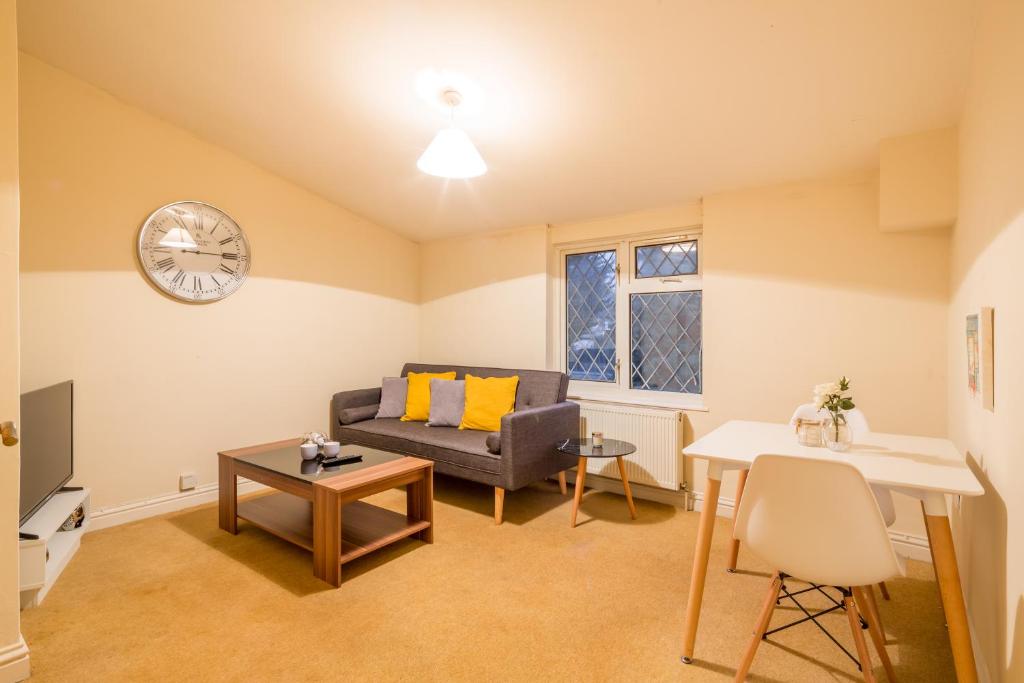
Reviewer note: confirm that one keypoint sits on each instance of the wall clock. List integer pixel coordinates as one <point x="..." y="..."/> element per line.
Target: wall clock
<point x="194" y="252"/>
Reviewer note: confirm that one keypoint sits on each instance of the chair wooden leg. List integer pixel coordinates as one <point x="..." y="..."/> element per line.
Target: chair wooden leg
<point x="763" y="619"/>
<point x="734" y="544"/>
<point x="499" y="504"/>
<point x="884" y="589"/>
<point x="863" y="655"/>
<point x="872" y="606"/>
<point x="625" y="486"/>
<point x="561" y="483"/>
<point x="581" y="476"/>
<point x="863" y="597"/>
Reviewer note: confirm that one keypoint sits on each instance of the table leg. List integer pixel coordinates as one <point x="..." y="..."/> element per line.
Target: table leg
<point x="581" y="475"/>
<point x="700" y="558"/>
<point x="734" y="548"/>
<point x="227" y="494"/>
<point x="326" y="535"/>
<point x="425" y="500"/>
<point x="948" y="576"/>
<point x="561" y="483"/>
<point x="625" y="485"/>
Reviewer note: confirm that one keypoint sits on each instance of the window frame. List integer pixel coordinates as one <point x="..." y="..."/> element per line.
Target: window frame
<point x="627" y="284"/>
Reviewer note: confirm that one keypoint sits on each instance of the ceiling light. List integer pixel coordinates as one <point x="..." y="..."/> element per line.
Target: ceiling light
<point x="178" y="238"/>
<point x="451" y="153"/>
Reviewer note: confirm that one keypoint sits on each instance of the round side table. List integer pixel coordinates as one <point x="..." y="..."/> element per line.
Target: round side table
<point x="585" y="448"/>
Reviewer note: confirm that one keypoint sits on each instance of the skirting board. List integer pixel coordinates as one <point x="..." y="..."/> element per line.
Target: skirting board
<point x="14" y="662"/>
<point x="912" y="546"/>
<point x="171" y="502"/>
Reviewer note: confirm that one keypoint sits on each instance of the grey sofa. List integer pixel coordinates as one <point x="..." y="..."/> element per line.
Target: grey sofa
<point x="524" y="451"/>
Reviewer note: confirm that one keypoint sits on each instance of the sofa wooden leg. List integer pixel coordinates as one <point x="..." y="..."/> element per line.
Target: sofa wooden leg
<point x="561" y="483"/>
<point x="499" y="504"/>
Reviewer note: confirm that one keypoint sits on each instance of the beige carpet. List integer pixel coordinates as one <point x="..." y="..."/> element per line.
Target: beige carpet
<point x="175" y="599"/>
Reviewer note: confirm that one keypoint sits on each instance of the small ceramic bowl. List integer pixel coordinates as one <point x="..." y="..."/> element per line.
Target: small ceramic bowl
<point x="308" y="451"/>
<point x="331" y="448"/>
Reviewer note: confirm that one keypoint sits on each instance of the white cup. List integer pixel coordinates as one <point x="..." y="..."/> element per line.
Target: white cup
<point x="308" y="451"/>
<point x="332" y="447"/>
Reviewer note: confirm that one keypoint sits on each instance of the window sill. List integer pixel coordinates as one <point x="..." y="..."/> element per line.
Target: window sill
<point x="687" y="403"/>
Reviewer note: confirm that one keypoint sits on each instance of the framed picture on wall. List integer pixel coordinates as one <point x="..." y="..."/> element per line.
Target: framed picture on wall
<point x="973" y="361"/>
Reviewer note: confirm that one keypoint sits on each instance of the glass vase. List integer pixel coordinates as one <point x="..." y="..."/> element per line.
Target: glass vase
<point x="837" y="433"/>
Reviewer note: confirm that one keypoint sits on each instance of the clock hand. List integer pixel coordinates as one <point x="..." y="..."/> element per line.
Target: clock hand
<point x="196" y="251"/>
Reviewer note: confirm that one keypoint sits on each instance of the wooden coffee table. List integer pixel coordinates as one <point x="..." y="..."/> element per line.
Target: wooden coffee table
<point x="320" y="509"/>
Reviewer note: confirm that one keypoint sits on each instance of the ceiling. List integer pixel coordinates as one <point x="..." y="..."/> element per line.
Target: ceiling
<point x="590" y="107"/>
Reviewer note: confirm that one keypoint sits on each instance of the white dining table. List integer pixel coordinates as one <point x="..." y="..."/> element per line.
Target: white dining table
<point x="922" y="467"/>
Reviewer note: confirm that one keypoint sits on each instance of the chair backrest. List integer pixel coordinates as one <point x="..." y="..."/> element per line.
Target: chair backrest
<point x="855" y="417"/>
<point x="816" y="520"/>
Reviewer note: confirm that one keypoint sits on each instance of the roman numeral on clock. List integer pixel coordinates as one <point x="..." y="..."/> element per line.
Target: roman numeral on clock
<point x="230" y="257"/>
<point x="178" y="279"/>
<point x="225" y="240"/>
<point x="165" y="263"/>
<point x="226" y="269"/>
<point x="196" y="279"/>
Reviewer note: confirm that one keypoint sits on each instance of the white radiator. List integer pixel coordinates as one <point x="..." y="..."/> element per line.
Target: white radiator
<point x="656" y="432"/>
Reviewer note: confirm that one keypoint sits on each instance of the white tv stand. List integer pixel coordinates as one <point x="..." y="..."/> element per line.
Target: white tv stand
<point x="43" y="559"/>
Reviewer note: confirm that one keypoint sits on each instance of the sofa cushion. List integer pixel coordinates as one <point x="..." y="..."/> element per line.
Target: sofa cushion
<point x="464" y="448"/>
<point x="536" y="387"/>
<point x="417" y="403"/>
<point x="393" y="391"/>
<point x="447" y="402"/>
<point x="487" y="400"/>
<point x="493" y="442"/>
<point x="349" y="415"/>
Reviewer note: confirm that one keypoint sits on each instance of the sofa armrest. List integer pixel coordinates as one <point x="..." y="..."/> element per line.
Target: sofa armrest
<point x="530" y="439"/>
<point x="344" y="400"/>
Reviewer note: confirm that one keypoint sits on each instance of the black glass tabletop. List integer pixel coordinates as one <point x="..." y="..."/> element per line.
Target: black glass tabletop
<point x="612" y="448"/>
<point x="289" y="462"/>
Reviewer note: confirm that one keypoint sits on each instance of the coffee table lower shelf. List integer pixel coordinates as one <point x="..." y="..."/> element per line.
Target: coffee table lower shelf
<point x="364" y="527"/>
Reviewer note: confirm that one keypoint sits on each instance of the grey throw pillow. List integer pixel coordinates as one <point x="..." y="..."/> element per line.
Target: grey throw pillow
<point x="447" y="402"/>
<point x="393" y="391"/>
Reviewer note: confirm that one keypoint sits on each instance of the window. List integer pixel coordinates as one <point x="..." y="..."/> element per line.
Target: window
<point x="632" y="313"/>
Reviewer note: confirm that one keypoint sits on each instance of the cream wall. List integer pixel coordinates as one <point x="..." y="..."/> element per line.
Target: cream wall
<point x="987" y="245"/>
<point x="800" y="286"/>
<point x="330" y="303"/>
<point x="483" y="299"/>
<point x="13" y="654"/>
<point x="918" y="180"/>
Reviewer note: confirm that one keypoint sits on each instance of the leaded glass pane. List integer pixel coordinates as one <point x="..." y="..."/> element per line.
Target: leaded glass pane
<point x="666" y="260"/>
<point x="590" y="282"/>
<point x="665" y="341"/>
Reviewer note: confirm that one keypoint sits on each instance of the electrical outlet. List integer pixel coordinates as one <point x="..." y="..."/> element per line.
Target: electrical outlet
<point x="186" y="481"/>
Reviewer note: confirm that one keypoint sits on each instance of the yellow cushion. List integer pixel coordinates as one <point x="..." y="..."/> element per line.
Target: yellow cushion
<point x="487" y="399"/>
<point x="417" y="401"/>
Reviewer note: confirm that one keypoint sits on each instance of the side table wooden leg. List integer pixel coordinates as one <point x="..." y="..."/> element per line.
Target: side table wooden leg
<point x="227" y="494"/>
<point x="561" y="483"/>
<point x="581" y="476"/>
<point x="702" y="552"/>
<point x="948" y="575"/>
<point x="625" y="485"/>
<point x="734" y="548"/>
<point x="326" y="535"/>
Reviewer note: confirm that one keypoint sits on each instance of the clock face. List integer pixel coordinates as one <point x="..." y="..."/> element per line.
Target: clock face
<point x="193" y="251"/>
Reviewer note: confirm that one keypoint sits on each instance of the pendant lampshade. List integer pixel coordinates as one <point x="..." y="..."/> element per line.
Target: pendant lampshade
<point x="451" y="154"/>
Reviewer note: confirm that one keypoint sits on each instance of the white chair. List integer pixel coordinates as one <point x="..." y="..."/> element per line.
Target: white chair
<point x="789" y="500"/>
<point x="857" y="422"/>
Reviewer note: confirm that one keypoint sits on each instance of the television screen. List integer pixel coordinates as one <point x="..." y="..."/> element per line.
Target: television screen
<point x="46" y="448"/>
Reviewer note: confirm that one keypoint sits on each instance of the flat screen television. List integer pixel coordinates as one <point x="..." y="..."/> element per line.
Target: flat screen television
<point x="47" y="453"/>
